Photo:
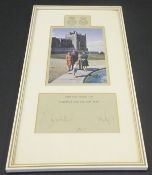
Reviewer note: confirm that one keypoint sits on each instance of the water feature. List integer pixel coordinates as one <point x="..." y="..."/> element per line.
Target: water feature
<point x="97" y="76"/>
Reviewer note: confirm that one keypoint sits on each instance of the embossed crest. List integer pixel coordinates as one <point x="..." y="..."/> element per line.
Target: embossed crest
<point x="77" y="20"/>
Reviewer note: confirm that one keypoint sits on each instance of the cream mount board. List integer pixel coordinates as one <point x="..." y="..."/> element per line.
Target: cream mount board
<point x="77" y="106"/>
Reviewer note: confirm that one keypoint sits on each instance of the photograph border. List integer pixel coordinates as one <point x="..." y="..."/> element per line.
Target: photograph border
<point x="77" y="84"/>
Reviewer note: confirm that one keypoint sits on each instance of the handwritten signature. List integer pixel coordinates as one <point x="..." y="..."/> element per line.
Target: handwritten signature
<point x="59" y="118"/>
<point x="105" y="118"/>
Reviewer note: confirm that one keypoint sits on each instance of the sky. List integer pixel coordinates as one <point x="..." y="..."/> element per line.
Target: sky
<point x="94" y="36"/>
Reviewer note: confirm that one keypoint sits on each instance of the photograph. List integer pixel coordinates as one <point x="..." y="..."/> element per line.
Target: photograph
<point x="77" y="55"/>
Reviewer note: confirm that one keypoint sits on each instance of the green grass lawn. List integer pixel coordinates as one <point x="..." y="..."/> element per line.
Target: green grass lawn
<point x="91" y="56"/>
<point x="58" y="56"/>
<point x="96" y="57"/>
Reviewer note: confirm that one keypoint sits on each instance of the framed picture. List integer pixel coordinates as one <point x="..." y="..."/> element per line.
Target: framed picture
<point x="77" y="106"/>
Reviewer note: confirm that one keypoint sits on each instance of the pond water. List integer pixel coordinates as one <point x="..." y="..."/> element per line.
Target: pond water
<point x="98" y="76"/>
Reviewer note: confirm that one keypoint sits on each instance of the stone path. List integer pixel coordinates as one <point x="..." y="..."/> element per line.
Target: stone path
<point x="80" y="75"/>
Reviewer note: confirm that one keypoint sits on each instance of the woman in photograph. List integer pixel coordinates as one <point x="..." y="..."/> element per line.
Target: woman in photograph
<point x="74" y="55"/>
<point x="69" y="61"/>
<point x="83" y="61"/>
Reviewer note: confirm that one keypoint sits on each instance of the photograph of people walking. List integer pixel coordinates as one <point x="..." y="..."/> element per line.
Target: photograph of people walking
<point x="77" y="55"/>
